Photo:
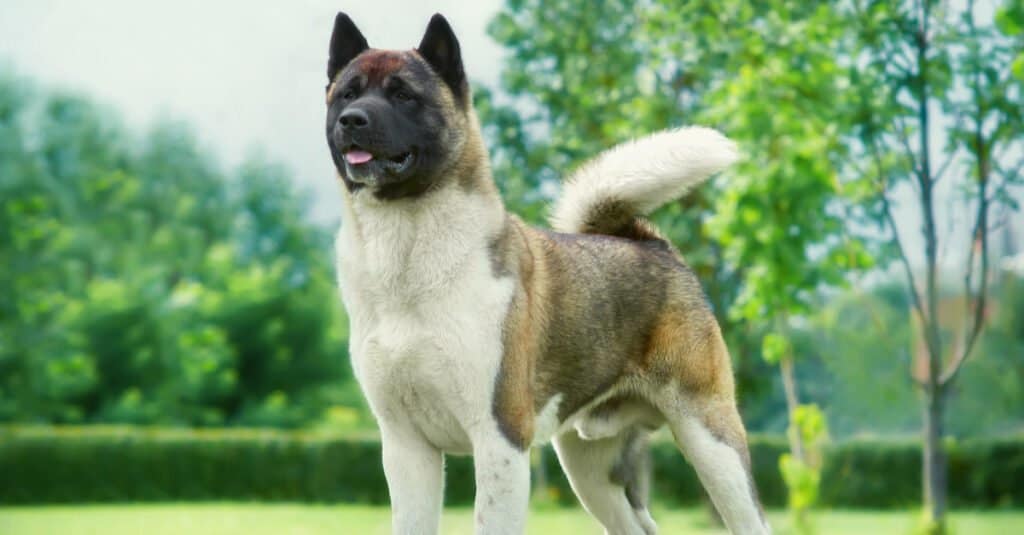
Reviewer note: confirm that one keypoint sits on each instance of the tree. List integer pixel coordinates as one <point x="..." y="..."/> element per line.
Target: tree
<point x="144" y="285"/>
<point x="920" y="68"/>
<point x="780" y="216"/>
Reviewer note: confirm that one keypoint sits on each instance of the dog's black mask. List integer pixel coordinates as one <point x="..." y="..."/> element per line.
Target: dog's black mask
<point x="390" y="113"/>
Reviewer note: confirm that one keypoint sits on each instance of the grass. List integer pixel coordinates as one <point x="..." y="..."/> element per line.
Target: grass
<point x="299" y="519"/>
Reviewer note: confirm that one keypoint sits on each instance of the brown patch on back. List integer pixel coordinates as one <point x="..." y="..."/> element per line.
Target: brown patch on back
<point x="583" y="319"/>
<point x="605" y="295"/>
<point x="593" y="313"/>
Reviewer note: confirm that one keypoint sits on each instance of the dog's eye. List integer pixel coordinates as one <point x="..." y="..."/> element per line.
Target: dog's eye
<point x="349" y="94"/>
<point x="403" y="95"/>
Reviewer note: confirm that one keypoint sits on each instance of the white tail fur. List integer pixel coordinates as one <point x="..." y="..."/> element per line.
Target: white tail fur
<point x="641" y="175"/>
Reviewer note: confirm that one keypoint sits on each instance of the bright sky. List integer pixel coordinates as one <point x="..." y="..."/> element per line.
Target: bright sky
<point x="247" y="75"/>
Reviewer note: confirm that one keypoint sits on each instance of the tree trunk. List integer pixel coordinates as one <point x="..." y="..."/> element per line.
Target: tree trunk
<point x="796" y="445"/>
<point x="934" y="465"/>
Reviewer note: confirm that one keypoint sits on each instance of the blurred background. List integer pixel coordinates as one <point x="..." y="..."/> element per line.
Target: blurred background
<point x="173" y="354"/>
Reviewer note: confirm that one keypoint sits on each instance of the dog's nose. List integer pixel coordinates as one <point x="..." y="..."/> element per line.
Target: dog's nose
<point x="354" y="119"/>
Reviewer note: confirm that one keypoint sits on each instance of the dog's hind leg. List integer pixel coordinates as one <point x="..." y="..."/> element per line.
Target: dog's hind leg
<point x="609" y="476"/>
<point x="711" y="436"/>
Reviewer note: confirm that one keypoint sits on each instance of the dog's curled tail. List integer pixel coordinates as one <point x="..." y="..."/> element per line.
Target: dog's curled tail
<point x="610" y="194"/>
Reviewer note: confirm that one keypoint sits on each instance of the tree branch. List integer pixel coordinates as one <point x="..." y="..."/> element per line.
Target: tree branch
<point x="975" y="301"/>
<point x="908" y="271"/>
<point x="1008" y="175"/>
<point x="945" y="165"/>
<point x="883" y="183"/>
<point x="904" y="139"/>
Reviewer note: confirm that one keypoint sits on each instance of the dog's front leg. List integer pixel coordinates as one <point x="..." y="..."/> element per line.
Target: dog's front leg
<point x="415" y="475"/>
<point x="502" y="486"/>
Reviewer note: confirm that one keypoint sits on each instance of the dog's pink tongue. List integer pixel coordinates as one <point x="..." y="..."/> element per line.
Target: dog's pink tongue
<point x="356" y="157"/>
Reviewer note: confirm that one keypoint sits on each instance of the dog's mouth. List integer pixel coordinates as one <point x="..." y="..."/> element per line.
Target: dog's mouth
<point x="360" y="159"/>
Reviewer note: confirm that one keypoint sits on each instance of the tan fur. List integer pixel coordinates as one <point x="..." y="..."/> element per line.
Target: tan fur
<point x="689" y="348"/>
<point x="514" y="403"/>
<point x="473" y="169"/>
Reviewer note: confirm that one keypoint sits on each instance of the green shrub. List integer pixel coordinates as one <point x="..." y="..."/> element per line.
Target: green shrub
<point x="139" y="464"/>
<point x="115" y="463"/>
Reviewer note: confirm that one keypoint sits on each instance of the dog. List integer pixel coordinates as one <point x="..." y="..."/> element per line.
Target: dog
<point x="473" y="333"/>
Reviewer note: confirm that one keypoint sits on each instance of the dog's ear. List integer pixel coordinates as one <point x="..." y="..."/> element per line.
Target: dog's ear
<point x="441" y="50"/>
<point x="346" y="43"/>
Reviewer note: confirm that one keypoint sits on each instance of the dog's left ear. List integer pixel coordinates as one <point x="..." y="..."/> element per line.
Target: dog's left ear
<point x="441" y="50"/>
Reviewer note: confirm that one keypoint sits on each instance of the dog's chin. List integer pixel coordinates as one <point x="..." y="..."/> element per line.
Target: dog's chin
<point x="398" y="178"/>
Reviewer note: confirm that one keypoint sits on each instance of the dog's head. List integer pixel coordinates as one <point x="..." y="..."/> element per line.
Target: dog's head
<point x="396" y="120"/>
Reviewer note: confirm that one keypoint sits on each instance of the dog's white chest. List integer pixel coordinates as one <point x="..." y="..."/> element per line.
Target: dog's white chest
<point x="405" y="369"/>
<point x="434" y="363"/>
<point x="426" y="313"/>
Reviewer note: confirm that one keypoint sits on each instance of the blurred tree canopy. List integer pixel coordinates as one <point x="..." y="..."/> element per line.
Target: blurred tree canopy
<point x="142" y="284"/>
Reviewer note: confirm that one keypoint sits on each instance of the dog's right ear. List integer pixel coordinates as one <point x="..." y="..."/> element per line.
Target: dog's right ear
<point x="346" y="43"/>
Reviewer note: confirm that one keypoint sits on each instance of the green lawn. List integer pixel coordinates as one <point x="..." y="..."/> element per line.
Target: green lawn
<point x="294" y="519"/>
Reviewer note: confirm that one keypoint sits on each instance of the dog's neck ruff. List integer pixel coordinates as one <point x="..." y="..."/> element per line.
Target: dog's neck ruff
<point x="408" y="250"/>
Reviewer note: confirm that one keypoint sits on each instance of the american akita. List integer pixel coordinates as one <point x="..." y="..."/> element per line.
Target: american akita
<point x="473" y="333"/>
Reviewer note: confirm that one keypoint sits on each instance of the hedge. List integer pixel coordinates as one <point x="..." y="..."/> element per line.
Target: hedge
<point x="116" y="464"/>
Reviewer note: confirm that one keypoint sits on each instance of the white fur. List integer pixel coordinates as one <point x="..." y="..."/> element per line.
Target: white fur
<point x="587" y="464"/>
<point x="647" y="172"/>
<point x="426" y="312"/>
<point x="502" y="476"/>
<point x="414" y="471"/>
<point x="547" y="424"/>
<point x="723" y="475"/>
<point x="590" y="427"/>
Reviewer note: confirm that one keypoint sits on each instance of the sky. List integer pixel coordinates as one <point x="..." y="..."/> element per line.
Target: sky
<point x="249" y="76"/>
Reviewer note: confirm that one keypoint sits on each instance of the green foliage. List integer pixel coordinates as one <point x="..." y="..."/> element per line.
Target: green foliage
<point x="109" y="463"/>
<point x="809" y="422"/>
<point x="774" y="347"/>
<point x="780" y="215"/>
<point x="143" y="285"/>
<point x="802" y="473"/>
<point x="802" y="482"/>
